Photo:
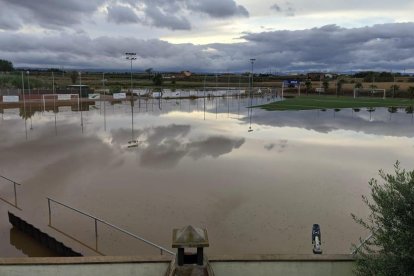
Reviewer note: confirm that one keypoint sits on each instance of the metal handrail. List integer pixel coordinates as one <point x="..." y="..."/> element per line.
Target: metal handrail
<point x="10" y="180"/>
<point x="15" y="192"/>
<point x="106" y="223"/>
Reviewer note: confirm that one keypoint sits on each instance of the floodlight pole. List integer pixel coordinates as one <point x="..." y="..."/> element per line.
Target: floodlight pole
<point x="131" y="57"/>
<point x="24" y="105"/>
<point x="252" y="60"/>
<point x="80" y="95"/>
<point x="30" y="97"/>
<point x="104" y="99"/>
<point x="24" y="100"/>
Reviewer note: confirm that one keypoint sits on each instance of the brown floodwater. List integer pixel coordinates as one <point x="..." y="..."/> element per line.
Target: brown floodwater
<point x="257" y="182"/>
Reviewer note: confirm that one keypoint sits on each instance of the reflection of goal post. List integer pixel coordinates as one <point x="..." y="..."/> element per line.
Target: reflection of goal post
<point x="369" y="91"/>
<point x="59" y="97"/>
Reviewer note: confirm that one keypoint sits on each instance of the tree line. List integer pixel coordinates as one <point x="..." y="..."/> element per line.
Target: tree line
<point x="6" y="66"/>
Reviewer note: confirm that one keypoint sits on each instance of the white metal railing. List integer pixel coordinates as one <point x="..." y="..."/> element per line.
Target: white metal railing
<point x="14" y="190"/>
<point x="96" y="220"/>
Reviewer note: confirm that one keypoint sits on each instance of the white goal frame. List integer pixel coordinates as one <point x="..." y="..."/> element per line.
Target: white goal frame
<point x="371" y="90"/>
<point x="56" y="98"/>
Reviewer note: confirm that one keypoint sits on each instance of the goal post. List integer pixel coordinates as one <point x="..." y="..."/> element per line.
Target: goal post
<point x="369" y="92"/>
<point x="44" y="96"/>
<point x="379" y="91"/>
<point x="59" y="97"/>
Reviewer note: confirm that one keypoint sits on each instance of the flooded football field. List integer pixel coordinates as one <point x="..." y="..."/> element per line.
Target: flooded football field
<point x="257" y="181"/>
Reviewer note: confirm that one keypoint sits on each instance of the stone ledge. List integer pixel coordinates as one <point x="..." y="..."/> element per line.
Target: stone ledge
<point x="282" y="258"/>
<point x="85" y="260"/>
<point x="167" y="259"/>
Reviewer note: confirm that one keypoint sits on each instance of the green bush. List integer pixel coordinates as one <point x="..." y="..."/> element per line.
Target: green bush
<point x="390" y="250"/>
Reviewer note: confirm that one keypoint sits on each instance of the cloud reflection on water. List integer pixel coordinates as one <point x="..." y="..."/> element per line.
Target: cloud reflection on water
<point x="164" y="146"/>
<point x="381" y="123"/>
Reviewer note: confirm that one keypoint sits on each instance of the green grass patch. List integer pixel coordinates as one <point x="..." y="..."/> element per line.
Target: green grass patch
<point x="332" y="102"/>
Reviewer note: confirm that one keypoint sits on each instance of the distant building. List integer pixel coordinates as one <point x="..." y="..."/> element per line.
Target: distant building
<point x="315" y="76"/>
<point x="186" y="73"/>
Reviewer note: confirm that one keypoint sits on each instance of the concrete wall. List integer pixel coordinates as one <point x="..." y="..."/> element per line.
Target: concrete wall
<point x="258" y="265"/>
<point x="222" y="265"/>
<point x="85" y="266"/>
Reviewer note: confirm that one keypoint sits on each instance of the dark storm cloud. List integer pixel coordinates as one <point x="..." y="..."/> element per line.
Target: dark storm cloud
<point x="382" y="46"/>
<point x="174" y="15"/>
<point x="218" y="8"/>
<point x="386" y="47"/>
<point x="121" y="14"/>
<point x="49" y="13"/>
<point x="159" y="16"/>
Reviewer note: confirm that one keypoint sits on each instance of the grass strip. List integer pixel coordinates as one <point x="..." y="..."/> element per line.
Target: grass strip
<point x="332" y="102"/>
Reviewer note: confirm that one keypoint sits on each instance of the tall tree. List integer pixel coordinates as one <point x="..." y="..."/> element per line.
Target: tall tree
<point x="358" y="85"/>
<point x="157" y="79"/>
<point x="6" y="66"/>
<point x="389" y="250"/>
<point x="149" y="72"/>
<point x="74" y="76"/>
<point x="339" y="85"/>
<point x="394" y="88"/>
<point x="325" y="85"/>
<point x="411" y="91"/>
<point x="308" y="85"/>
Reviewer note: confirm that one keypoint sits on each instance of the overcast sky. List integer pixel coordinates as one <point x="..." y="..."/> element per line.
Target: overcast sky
<point x="209" y="35"/>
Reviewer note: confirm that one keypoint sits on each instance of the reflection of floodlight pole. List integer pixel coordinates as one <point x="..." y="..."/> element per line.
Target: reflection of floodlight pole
<point x="104" y="99"/>
<point x="131" y="57"/>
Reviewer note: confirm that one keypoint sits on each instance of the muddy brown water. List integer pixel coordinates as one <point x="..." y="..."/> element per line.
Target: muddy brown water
<point x="196" y="162"/>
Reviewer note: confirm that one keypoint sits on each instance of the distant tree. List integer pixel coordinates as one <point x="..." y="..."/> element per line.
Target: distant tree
<point x="411" y="91"/>
<point x="325" y="85"/>
<point x="157" y="79"/>
<point x="114" y="89"/>
<point x="358" y="85"/>
<point x="385" y="77"/>
<point x="308" y="85"/>
<point x="74" y="76"/>
<point x="390" y="250"/>
<point x="6" y="66"/>
<point x="149" y="72"/>
<point x="394" y="88"/>
<point x="339" y="84"/>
